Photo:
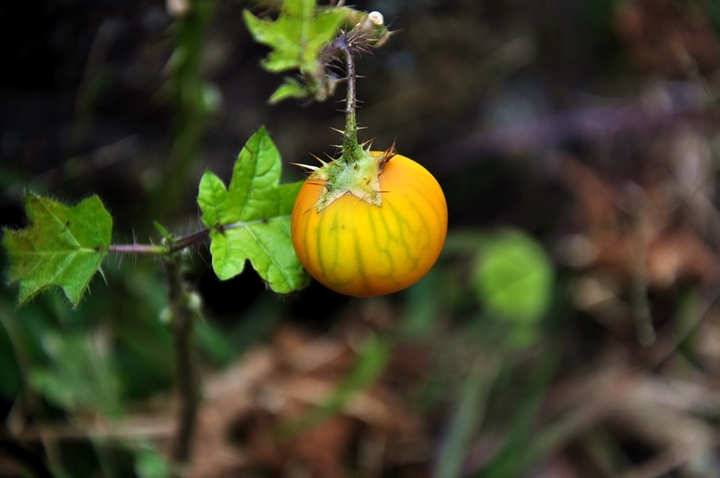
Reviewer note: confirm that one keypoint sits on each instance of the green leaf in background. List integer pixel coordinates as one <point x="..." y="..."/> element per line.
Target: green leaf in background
<point x="150" y="463"/>
<point x="713" y="13"/>
<point x="80" y="377"/>
<point x="514" y="277"/>
<point x="251" y="218"/>
<point x="297" y="38"/>
<point x="290" y="89"/>
<point x="63" y="246"/>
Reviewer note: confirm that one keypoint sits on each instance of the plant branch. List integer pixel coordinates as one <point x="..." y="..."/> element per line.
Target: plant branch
<point x="350" y="142"/>
<point x="189" y="240"/>
<point x="163" y="249"/>
<point x="183" y="317"/>
<point x="137" y="249"/>
<point x="183" y="314"/>
<point x="176" y="245"/>
<point x="351" y="98"/>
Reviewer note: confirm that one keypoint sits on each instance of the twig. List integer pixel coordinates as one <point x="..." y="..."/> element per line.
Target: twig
<point x="183" y="317"/>
<point x="163" y="249"/>
<point x="351" y="129"/>
<point x="137" y="249"/>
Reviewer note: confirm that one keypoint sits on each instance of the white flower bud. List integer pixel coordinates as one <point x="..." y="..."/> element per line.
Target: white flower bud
<point x="376" y="17"/>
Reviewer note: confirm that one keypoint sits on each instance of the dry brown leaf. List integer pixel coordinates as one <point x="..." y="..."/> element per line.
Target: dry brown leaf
<point x="634" y="235"/>
<point x="276" y="385"/>
<point x="662" y="39"/>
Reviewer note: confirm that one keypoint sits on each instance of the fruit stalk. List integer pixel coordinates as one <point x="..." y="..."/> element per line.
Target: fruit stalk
<point x="351" y="148"/>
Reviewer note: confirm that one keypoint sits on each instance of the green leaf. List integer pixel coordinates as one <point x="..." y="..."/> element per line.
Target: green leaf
<point x="251" y="218"/>
<point x="63" y="246"/>
<point x="514" y="277"/>
<point x="150" y="463"/>
<point x="290" y="89"/>
<point x="297" y="36"/>
<point x="80" y="376"/>
<point x="297" y="39"/>
<point x="163" y="231"/>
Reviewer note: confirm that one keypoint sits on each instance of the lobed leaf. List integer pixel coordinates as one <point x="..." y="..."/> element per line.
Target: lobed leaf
<point x="250" y="220"/>
<point x="297" y="38"/>
<point x="63" y="246"/>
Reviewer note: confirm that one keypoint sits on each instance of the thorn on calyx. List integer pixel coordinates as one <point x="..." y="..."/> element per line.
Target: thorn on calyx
<point x="306" y="166"/>
<point x="319" y="160"/>
<point x="387" y="155"/>
<point x="318" y="183"/>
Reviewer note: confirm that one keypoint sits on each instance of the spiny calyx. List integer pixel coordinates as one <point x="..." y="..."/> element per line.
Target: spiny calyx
<point x="355" y="172"/>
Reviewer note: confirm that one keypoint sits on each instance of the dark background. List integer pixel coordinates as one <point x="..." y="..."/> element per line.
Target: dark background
<point x="588" y="125"/>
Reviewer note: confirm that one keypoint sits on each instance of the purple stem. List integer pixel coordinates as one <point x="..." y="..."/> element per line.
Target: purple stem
<point x="175" y="246"/>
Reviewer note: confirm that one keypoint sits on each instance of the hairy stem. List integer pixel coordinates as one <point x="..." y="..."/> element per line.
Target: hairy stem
<point x="175" y="245"/>
<point x="165" y="249"/>
<point x="137" y="249"/>
<point x="351" y="147"/>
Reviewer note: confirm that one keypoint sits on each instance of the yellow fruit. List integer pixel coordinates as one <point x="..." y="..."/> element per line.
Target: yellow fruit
<point x="360" y="249"/>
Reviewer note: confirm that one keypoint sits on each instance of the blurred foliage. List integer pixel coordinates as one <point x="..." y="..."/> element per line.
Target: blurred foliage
<point x="193" y="98"/>
<point x="514" y="277"/>
<point x="577" y="145"/>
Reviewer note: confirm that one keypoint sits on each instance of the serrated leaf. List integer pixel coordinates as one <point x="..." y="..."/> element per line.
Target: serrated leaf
<point x="63" y="246"/>
<point x="267" y="245"/>
<point x="250" y="220"/>
<point x="297" y="36"/>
